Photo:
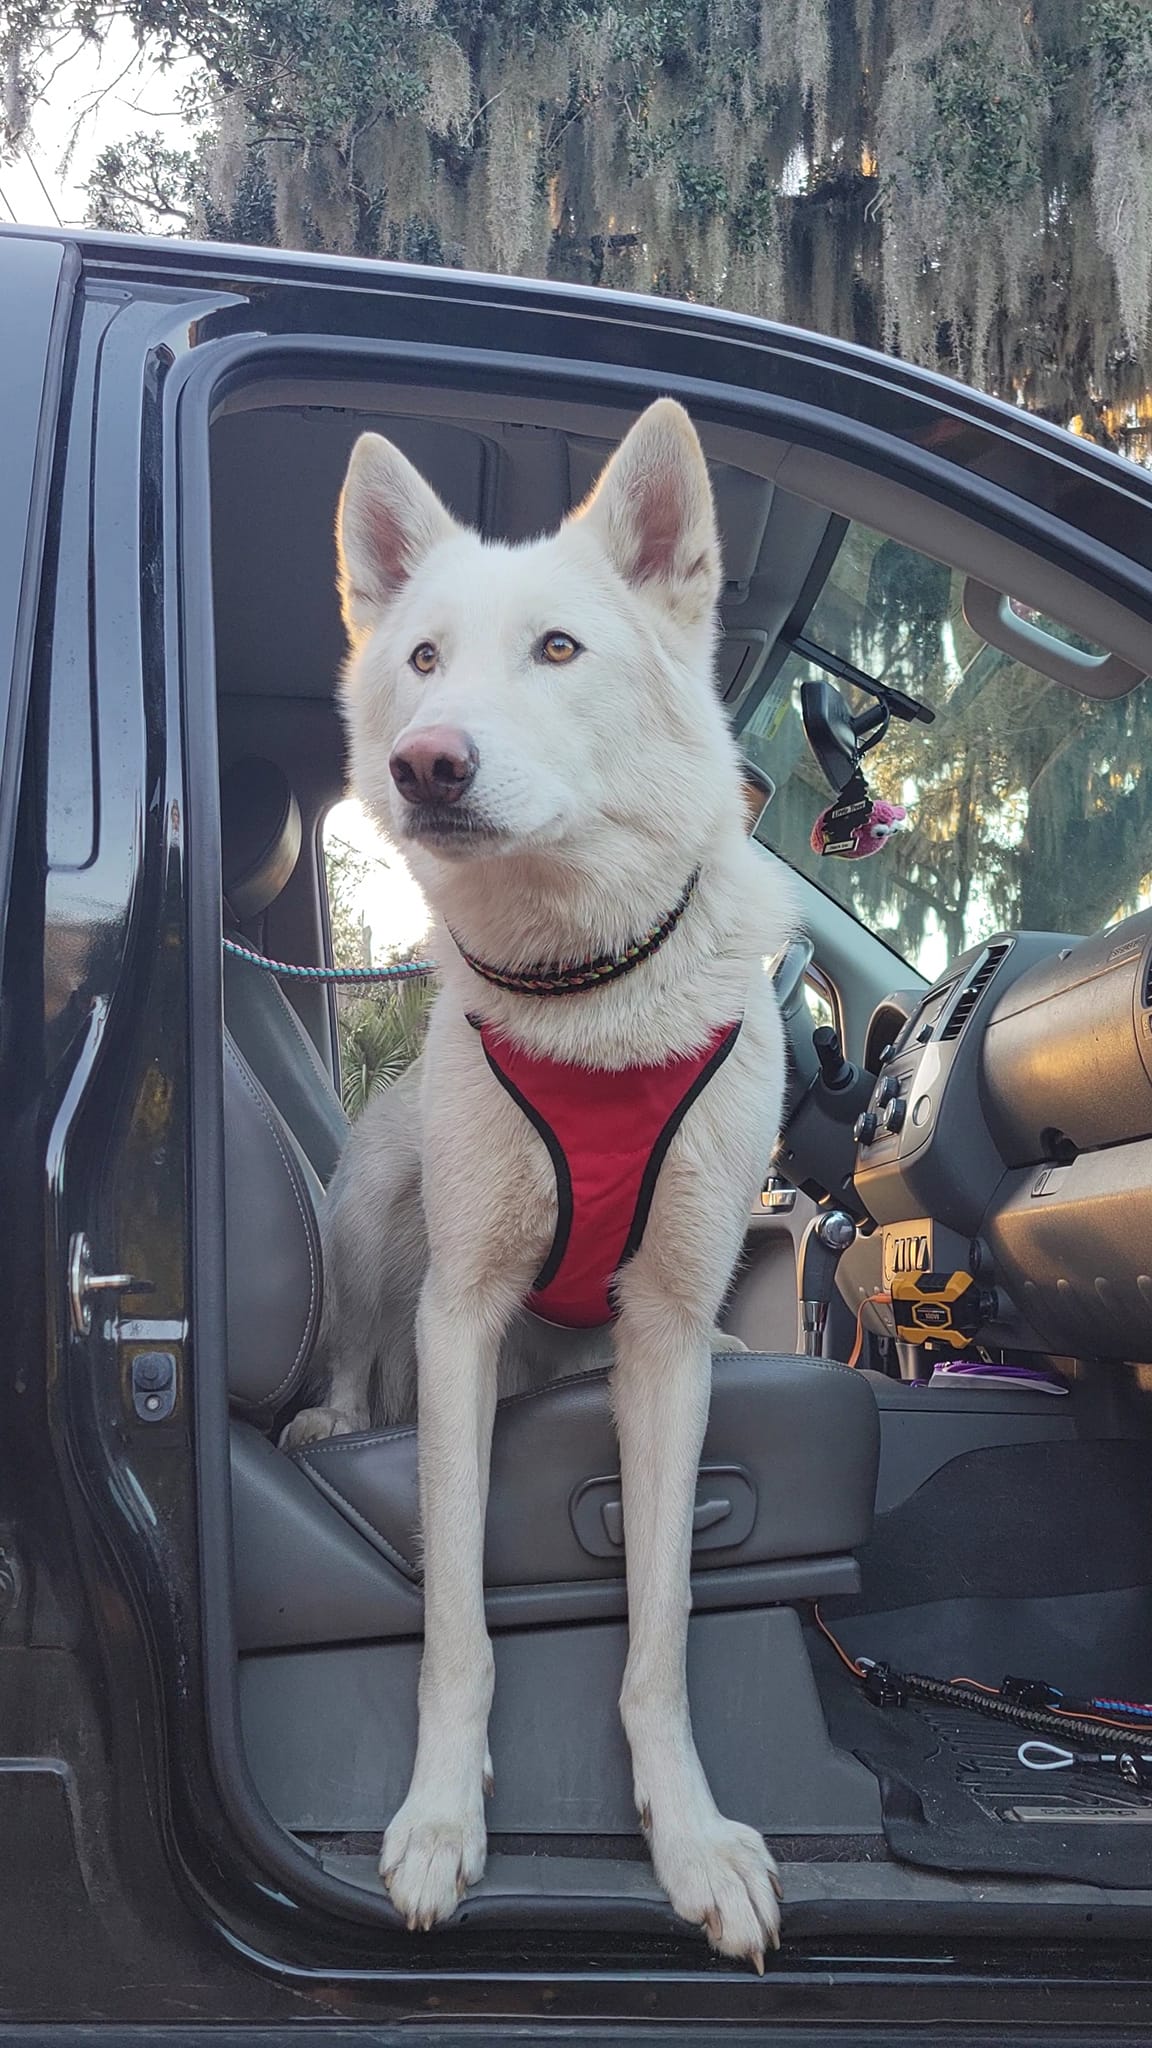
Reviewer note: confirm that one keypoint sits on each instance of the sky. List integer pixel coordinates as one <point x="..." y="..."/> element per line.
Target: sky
<point x="101" y="96"/>
<point x="390" y="900"/>
<point x="95" y="95"/>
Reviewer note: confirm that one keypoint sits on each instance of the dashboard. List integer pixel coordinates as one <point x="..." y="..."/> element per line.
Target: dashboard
<point x="1008" y="1133"/>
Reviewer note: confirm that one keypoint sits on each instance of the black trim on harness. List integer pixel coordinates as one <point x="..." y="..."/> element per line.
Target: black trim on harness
<point x="560" y="1167"/>
<point x="659" y="1150"/>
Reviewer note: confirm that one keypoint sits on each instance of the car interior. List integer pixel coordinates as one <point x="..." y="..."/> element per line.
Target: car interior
<point x="934" y="1455"/>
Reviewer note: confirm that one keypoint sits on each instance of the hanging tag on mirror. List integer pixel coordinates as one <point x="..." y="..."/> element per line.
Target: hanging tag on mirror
<point x="857" y="824"/>
<point x="836" y="829"/>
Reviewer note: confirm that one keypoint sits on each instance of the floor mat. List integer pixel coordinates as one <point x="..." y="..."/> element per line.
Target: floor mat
<point x="955" y="1796"/>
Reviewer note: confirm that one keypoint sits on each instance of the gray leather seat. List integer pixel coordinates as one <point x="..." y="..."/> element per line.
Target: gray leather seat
<point x="260" y="845"/>
<point x="326" y="1539"/>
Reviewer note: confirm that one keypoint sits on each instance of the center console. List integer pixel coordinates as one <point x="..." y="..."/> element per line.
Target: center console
<point x="1008" y="1135"/>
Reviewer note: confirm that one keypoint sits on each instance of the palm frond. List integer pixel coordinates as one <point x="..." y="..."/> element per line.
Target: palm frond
<point x="380" y="1035"/>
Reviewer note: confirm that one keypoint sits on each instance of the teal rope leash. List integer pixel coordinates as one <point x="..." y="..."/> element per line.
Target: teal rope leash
<point x="547" y="979"/>
<point x="403" y="971"/>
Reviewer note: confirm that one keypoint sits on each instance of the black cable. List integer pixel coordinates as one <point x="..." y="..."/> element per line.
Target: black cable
<point x="886" y="1687"/>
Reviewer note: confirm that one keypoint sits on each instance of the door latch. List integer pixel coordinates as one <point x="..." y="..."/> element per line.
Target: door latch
<point x="84" y="1284"/>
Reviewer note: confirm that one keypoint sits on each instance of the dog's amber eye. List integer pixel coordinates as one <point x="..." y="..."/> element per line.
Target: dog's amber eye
<point x="559" y="648"/>
<point x="423" y="658"/>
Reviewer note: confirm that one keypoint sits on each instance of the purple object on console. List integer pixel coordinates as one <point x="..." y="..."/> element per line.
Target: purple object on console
<point x="1016" y="1378"/>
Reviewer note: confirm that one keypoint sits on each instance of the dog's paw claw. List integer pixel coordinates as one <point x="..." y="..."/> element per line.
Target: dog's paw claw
<point x="428" y="1865"/>
<point x="315" y="1426"/>
<point x="724" y="1880"/>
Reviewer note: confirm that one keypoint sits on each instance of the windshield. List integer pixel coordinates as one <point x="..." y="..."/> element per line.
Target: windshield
<point x="1030" y="806"/>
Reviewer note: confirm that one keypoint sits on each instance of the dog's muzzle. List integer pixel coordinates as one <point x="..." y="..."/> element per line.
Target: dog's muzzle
<point x="435" y="767"/>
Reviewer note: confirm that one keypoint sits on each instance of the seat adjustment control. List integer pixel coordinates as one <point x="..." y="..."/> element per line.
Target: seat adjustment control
<point x="723" y="1514"/>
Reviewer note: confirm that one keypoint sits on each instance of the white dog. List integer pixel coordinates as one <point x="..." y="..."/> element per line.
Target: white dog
<point x="538" y="728"/>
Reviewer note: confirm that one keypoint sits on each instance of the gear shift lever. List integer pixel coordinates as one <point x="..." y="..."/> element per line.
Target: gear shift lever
<point x="824" y="1243"/>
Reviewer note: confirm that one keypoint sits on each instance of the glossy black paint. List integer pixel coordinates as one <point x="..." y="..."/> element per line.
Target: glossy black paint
<point x="139" y="1879"/>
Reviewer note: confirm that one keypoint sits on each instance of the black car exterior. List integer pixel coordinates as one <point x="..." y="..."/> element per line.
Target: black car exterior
<point x="141" y="1884"/>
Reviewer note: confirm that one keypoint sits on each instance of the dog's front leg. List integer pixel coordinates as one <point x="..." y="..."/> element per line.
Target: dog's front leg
<point x="716" y="1872"/>
<point x="435" y="1847"/>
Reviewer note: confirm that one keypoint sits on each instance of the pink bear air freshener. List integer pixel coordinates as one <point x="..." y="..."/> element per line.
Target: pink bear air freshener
<point x="857" y="824"/>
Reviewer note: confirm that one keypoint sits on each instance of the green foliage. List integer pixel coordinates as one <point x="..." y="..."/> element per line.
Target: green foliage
<point x="140" y="175"/>
<point x="703" y="189"/>
<point x="968" y="181"/>
<point x="380" y="1035"/>
<point x="381" y="1029"/>
<point x="249" y="215"/>
<point x="346" y="870"/>
<point x="1118" y="35"/>
<point x="984" y="142"/>
<point x="659" y="33"/>
<point x="754" y="217"/>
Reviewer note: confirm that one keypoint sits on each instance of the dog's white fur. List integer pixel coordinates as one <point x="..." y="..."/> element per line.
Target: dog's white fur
<point x="602" y="784"/>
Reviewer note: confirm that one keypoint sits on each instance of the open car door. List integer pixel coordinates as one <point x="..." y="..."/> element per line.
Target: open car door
<point x="37" y="280"/>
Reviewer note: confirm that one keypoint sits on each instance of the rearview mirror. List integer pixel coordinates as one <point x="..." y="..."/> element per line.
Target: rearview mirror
<point x="836" y="737"/>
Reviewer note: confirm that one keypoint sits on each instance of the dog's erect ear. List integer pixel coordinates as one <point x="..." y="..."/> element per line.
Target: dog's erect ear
<point x="653" y="510"/>
<point x="388" y="520"/>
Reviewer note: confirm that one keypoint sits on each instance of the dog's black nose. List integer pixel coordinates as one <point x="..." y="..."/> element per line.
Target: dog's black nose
<point x="435" y="766"/>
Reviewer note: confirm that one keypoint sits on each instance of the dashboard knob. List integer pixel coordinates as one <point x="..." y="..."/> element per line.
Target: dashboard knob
<point x="864" y="1128"/>
<point x="836" y="1230"/>
<point x="895" y="1114"/>
<point x="889" y="1088"/>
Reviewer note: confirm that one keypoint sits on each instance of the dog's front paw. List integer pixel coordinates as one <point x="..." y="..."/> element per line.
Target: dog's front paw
<point x="721" y="1876"/>
<point x="428" y="1862"/>
<point x="313" y="1425"/>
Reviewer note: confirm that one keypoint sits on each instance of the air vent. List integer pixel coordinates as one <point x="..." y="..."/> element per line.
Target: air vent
<point x="972" y="991"/>
<point x="1146" y="999"/>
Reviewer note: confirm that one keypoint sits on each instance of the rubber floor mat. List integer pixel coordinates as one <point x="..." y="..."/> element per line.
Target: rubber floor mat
<point x="955" y="1796"/>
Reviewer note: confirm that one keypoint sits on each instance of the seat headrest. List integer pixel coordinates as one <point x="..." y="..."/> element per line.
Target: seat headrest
<point x="259" y="835"/>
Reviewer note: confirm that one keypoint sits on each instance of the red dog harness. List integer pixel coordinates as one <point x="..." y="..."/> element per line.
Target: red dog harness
<point x="607" y="1136"/>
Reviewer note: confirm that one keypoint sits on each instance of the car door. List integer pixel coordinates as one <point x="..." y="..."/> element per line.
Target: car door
<point x="37" y="282"/>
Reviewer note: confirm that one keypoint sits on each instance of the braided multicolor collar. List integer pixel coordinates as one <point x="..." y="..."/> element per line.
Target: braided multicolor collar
<point x="550" y="980"/>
